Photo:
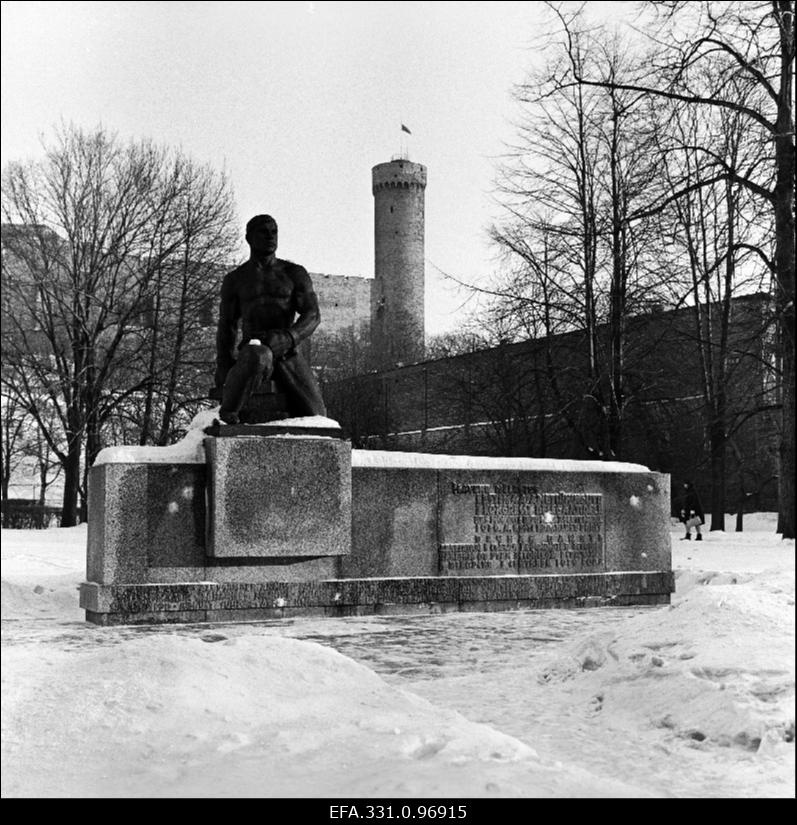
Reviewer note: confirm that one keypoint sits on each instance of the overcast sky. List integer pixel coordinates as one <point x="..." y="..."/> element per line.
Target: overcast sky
<point x="297" y="100"/>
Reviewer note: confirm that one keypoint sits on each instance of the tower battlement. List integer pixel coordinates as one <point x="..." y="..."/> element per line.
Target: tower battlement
<point x="398" y="174"/>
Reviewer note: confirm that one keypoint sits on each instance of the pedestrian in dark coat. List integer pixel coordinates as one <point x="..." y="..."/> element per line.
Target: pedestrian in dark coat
<point x="690" y="511"/>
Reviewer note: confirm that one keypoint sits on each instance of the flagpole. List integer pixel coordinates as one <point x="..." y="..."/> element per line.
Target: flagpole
<point x="405" y="152"/>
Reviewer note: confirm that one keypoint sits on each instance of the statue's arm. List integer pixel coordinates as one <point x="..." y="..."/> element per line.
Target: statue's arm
<point x="229" y="313"/>
<point x="305" y="304"/>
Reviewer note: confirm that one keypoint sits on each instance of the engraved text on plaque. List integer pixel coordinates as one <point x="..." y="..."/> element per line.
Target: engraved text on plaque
<point x="519" y="529"/>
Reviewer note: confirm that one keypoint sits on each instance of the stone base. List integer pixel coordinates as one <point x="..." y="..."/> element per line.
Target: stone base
<point x="281" y="497"/>
<point x="269" y="428"/>
<point x="193" y="602"/>
<point x="301" y="527"/>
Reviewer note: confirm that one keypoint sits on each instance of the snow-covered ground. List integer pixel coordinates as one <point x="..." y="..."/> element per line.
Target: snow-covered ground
<point x="693" y="699"/>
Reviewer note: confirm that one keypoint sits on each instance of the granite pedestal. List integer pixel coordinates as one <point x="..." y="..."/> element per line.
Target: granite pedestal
<point x="278" y="497"/>
<point x="293" y="528"/>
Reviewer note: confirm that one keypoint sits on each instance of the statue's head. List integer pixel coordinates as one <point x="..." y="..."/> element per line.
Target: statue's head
<point x="261" y="234"/>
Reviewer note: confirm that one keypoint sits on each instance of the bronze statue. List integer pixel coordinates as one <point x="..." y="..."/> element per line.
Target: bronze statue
<point x="274" y="301"/>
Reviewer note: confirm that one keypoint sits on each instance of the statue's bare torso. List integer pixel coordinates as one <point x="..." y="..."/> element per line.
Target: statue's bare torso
<point x="266" y="298"/>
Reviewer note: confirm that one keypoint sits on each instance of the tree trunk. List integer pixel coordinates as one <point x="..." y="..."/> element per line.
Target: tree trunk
<point x="740" y="506"/>
<point x="149" y="398"/>
<point x="614" y="391"/>
<point x="93" y="447"/>
<point x="43" y="484"/>
<point x="542" y="437"/>
<point x="717" y="442"/>
<point x="786" y="476"/>
<point x="784" y="234"/>
<point x="4" y="497"/>
<point x="719" y="378"/>
<point x="783" y="201"/>
<point x="69" y="511"/>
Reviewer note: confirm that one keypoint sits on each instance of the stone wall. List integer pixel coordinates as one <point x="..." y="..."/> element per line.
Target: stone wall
<point x="345" y="303"/>
<point x="531" y="398"/>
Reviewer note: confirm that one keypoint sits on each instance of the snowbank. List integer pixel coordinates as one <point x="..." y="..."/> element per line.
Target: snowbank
<point x="694" y="699"/>
<point x="252" y="716"/>
<point x="191" y="449"/>
<point x="42" y="570"/>
<point x="389" y="459"/>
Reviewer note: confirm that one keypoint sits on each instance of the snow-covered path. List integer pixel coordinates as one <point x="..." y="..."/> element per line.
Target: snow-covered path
<point x="695" y="699"/>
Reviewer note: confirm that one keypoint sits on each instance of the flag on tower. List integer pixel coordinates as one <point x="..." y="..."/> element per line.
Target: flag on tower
<point x="405" y="129"/>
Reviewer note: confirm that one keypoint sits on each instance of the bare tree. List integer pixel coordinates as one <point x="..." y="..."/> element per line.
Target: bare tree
<point x="90" y="232"/>
<point x="178" y="342"/>
<point x="577" y="174"/>
<point x="13" y="448"/>
<point x="709" y="234"/>
<point x="24" y="449"/>
<point x="471" y="337"/>
<point x="747" y="45"/>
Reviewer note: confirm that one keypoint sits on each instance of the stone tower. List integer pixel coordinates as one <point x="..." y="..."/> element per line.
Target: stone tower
<point x="397" y="310"/>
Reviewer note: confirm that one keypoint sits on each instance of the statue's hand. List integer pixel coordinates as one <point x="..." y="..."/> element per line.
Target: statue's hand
<point x="279" y="342"/>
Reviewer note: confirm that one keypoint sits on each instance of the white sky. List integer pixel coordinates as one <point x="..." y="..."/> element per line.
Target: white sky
<point x="297" y="100"/>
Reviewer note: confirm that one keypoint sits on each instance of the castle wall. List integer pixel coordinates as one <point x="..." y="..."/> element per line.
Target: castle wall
<point x="344" y="301"/>
<point x="504" y="401"/>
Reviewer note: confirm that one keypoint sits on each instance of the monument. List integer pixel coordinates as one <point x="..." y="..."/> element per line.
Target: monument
<point x="264" y="511"/>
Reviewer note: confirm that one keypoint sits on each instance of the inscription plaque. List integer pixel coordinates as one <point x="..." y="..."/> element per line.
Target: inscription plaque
<point x="495" y="529"/>
<point x="561" y="532"/>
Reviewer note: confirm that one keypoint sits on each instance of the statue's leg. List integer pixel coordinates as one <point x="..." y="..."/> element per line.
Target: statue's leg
<point x="296" y="379"/>
<point x="254" y="363"/>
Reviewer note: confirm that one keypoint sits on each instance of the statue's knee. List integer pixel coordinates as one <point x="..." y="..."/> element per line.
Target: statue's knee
<point x="261" y="360"/>
<point x="248" y="361"/>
